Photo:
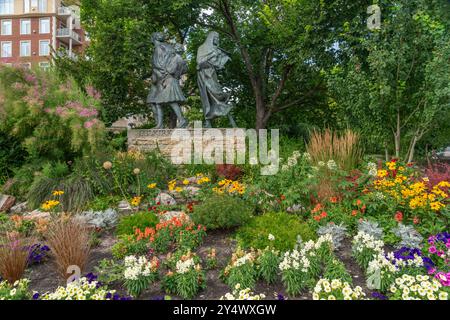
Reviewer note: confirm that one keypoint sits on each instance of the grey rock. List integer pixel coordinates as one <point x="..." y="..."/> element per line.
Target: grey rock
<point x="171" y="214"/>
<point x="166" y="199"/>
<point x="6" y="202"/>
<point x="100" y="219"/>
<point x="19" y="208"/>
<point x="124" y="207"/>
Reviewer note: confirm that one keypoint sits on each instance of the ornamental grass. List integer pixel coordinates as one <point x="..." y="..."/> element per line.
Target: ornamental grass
<point x="69" y="242"/>
<point x="14" y="252"/>
<point x="344" y="148"/>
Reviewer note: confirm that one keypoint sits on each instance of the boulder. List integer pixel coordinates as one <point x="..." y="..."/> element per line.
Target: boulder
<point x="192" y="191"/>
<point x="165" y="199"/>
<point x="19" y="208"/>
<point x="6" y="202"/>
<point x="100" y="219"/>
<point x="36" y="215"/>
<point x="124" y="207"/>
<point x="172" y="214"/>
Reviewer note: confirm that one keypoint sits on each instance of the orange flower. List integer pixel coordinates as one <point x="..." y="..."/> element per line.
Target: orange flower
<point x="334" y="199"/>
<point x="354" y="213"/>
<point x="323" y="214"/>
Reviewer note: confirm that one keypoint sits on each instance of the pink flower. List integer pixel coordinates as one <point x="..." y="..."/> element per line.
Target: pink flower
<point x="432" y="250"/>
<point x="444" y="278"/>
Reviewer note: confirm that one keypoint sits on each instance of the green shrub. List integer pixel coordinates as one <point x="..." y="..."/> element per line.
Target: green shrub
<point x="222" y="211"/>
<point x="78" y="191"/>
<point x="103" y="203"/>
<point x="283" y="226"/>
<point x="140" y="220"/>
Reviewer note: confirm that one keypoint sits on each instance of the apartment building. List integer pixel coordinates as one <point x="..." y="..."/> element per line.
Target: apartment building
<point x="30" y="29"/>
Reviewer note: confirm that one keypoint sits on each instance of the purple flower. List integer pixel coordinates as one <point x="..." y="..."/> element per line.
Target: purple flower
<point x="379" y="296"/>
<point x="36" y="296"/>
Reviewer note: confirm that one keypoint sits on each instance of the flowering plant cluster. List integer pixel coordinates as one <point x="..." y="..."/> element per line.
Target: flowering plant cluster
<point x="438" y="249"/>
<point x="230" y="187"/>
<point x="178" y="231"/>
<point x="420" y="287"/>
<point x="187" y="277"/>
<point x="366" y="248"/>
<point x="38" y="253"/>
<point x="408" y="195"/>
<point x="337" y="290"/>
<point x="242" y="294"/>
<point x="139" y="273"/>
<point x="241" y="269"/>
<point x="17" y="291"/>
<point x="211" y="259"/>
<point x="83" y="289"/>
<point x="300" y="267"/>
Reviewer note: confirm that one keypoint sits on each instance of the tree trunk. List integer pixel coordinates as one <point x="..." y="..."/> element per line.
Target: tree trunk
<point x="397" y="136"/>
<point x="411" y="151"/>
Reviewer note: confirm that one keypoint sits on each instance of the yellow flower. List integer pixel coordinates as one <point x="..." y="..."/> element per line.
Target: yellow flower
<point x="178" y="189"/>
<point x="152" y="186"/>
<point x="48" y="205"/>
<point x="436" y="206"/>
<point x="136" y="201"/>
<point x="382" y="173"/>
<point x="185" y="182"/>
<point x="58" y="193"/>
<point x="444" y="184"/>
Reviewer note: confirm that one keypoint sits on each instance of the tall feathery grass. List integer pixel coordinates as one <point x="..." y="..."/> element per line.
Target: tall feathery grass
<point x="68" y="240"/>
<point x="14" y="252"/>
<point x="344" y="148"/>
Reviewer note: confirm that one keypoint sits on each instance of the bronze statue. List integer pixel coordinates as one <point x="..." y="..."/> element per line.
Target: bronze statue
<point x="168" y="68"/>
<point x="215" y="101"/>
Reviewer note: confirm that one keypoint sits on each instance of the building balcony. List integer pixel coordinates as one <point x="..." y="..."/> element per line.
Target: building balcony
<point x="66" y="34"/>
<point x="64" y="12"/>
<point x="67" y="54"/>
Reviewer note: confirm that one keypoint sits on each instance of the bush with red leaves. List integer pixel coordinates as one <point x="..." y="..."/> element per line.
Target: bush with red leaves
<point x="229" y="171"/>
<point x="436" y="173"/>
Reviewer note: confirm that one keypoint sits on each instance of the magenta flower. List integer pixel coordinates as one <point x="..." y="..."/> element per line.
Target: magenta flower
<point x="432" y="250"/>
<point x="444" y="278"/>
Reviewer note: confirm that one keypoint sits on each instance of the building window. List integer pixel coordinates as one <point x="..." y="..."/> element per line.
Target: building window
<point x="44" y="25"/>
<point x="26" y="6"/>
<point x="44" y="65"/>
<point x="6" y="27"/>
<point x="36" y="5"/>
<point x="44" y="47"/>
<point x="25" y="26"/>
<point x="6" y="6"/>
<point x="6" y="49"/>
<point x="25" y="48"/>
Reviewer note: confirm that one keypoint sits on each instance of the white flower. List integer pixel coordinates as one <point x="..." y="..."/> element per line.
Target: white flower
<point x="271" y="237"/>
<point x="331" y="164"/>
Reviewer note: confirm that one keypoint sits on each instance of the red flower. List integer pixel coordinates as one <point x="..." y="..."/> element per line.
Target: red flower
<point x="363" y="208"/>
<point x="354" y="213"/>
<point x="283" y="197"/>
<point x="333" y="199"/>
<point x="323" y="214"/>
<point x="416" y="220"/>
<point x="399" y="216"/>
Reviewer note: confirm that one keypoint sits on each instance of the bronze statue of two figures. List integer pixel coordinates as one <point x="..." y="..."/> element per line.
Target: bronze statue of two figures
<point x="168" y="69"/>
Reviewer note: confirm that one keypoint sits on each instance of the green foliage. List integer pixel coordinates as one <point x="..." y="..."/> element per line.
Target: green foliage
<point x="141" y="220"/>
<point x="77" y="191"/>
<point x="103" y="203"/>
<point x="109" y="271"/>
<point x="268" y="265"/>
<point x="393" y="87"/>
<point x="127" y="245"/>
<point x="12" y="155"/>
<point x="285" y="227"/>
<point x="51" y="119"/>
<point x="222" y="212"/>
<point x="335" y="269"/>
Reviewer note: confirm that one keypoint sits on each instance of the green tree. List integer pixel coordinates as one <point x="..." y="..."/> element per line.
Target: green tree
<point x="395" y="86"/>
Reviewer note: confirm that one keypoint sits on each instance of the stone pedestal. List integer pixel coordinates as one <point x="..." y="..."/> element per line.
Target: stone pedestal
<point x="180" y="144"/>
